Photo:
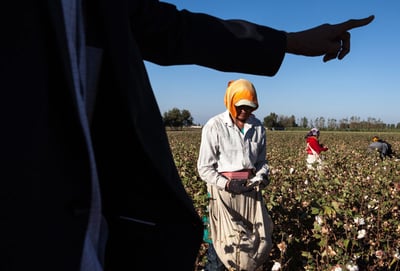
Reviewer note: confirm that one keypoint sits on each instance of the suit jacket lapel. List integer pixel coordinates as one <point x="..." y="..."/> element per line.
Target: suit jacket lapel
<point x="57" y="19"/>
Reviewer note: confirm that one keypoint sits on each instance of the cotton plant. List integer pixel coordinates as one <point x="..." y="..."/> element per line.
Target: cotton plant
<point x="359" y="221"/>
<point x="276" y="267"/>
<point x="337" y="268"/>
<point x="352" y="266"/>
<point x="361" y="234"/>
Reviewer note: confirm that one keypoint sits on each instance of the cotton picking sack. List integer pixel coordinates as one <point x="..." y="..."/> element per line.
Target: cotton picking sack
<point x="240" y="228"/>
<point x="313" y="159"/>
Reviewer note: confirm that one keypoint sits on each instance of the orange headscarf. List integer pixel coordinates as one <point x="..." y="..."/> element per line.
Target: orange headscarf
<point x="237" y="90"/>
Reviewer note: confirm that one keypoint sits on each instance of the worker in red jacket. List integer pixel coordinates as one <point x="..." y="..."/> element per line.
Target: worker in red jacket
<point x="314" y="149"/>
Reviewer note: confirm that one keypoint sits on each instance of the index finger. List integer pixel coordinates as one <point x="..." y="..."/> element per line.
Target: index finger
<point x="353" y="23"/>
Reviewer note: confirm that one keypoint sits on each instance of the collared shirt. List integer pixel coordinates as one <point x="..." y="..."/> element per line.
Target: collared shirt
<point x="225" y="148"/>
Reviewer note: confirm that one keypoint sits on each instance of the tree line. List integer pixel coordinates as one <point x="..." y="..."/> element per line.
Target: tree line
<point x="275" y="121"/>
<point x="177" y="119"/>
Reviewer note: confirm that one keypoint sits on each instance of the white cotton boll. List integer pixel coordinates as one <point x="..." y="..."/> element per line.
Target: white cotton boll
<point x="318" y="219"/>
<point x="359" y="221"/>
<point x="276" y="266"/>
<point x="396" y="254"/>
<point x="291" y="170"/>
<point x="361" y="234"/>
<point x="352" y="267"/>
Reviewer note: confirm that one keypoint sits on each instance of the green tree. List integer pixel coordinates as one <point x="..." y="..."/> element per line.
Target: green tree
<point x="176" y="118"/>
<point x="303" y="122"/>
<point x="187" y="119"/>
<point x="332" y="124"/>
<point x="285" y="121"/>
<point x="271" y="120"/>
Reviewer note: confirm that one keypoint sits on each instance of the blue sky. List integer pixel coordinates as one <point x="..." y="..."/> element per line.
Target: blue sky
<point x="365" y="84"/>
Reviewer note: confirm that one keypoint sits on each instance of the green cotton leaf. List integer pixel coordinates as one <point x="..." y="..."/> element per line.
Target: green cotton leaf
<point x="337" y="181"/>
<point x="317" y="227"/>
<point x="346" y="243"/>
<point x="317" y="236"/>
<point x="336" y="206"/>
<point x="306" y="254"/>
<point x="314" y="211"/>
<point x="338" y="224"/>
<point x="322" y="243"/>
<point x="329" y="211"/>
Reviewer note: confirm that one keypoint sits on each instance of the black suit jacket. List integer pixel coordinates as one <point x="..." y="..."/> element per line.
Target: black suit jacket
<point x="45" y="173"/>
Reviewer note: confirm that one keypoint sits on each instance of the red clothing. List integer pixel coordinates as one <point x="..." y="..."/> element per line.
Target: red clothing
<point x="314" y="143"/>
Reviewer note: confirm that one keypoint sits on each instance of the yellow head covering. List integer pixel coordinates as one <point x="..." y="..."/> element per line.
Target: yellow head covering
<point x="240" y="92"/>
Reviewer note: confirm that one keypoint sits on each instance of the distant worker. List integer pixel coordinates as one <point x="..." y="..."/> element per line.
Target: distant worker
<point x="314" y="149"/>
<point x="381" y="146"/>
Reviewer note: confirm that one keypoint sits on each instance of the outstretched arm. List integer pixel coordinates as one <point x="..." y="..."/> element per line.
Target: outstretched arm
<point x="168" y="36"/>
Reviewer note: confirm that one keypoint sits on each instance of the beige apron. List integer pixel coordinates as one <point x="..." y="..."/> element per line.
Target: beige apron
<point x="314" y="159"/>
<point x="240" y="228"/>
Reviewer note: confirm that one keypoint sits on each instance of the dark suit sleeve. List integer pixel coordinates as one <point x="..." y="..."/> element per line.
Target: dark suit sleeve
<point x="167" y="36"/>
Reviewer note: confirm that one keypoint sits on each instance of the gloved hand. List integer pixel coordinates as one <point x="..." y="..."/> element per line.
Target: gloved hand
<point x="264" y="182"/>
<point x="261" y="183"/>
<point x="239" y="186"/>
